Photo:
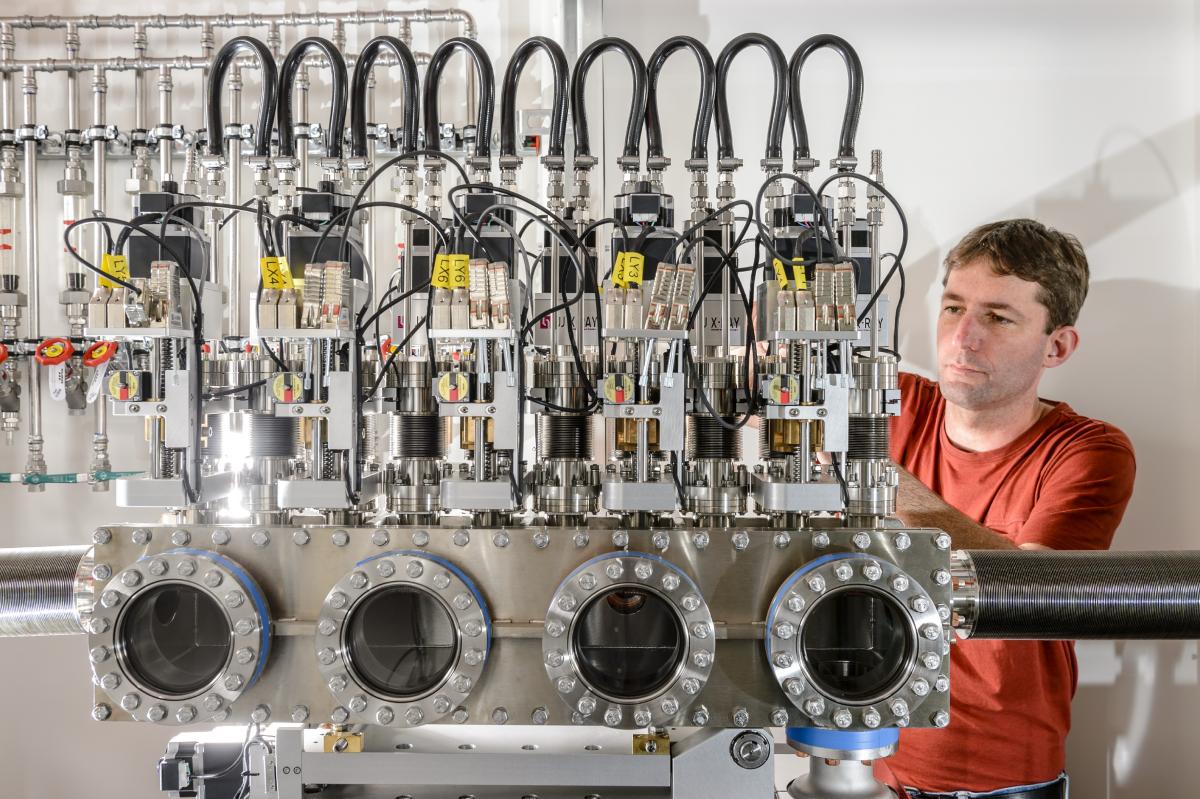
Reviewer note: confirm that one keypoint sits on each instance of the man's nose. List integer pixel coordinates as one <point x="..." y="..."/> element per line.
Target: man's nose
<point x="968" y="333"/>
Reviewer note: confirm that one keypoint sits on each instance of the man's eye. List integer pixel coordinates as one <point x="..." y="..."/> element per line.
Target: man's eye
<point x="1001" y="320"/>
<point x="952" y="309"/>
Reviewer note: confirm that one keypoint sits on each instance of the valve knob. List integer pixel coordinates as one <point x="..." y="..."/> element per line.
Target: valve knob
<point x="99" y="353"/>
<point x="53" y="351"/>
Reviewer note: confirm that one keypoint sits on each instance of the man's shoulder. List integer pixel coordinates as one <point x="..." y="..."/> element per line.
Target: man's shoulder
<point x="1074" y="432"/>
<point x="917" y="391"/>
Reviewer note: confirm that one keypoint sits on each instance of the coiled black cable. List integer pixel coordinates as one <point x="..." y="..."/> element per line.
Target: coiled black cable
<point x="854" y="94"/>
<point x="637" y="107"/>
<point x="487" y="93"/>
<point x="337" y="111"/>
<point x="779" y="94"/>
<point x="266" y="94"/>
<point x="410" y="87"/>
<point x="705" y="107"/>
<point x="508" y="95"/>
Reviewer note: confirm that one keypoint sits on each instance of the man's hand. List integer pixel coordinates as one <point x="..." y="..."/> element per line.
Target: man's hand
<point x="917" y="506"/>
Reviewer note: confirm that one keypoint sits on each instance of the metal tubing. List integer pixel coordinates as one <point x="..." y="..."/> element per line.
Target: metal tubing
<point x="1077" y="595"/>
<point x="165" y="145"/>
<point x="99" y="193"/>
<point x="35" y="463"/>
<point x="94" y="22"/>
<point x="233" y="190"/>
<point x="40" y="588"/>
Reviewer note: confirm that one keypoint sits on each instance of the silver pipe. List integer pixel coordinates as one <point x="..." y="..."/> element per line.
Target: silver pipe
<point x="72" y="48"/>
<point x="42" y="590"/>
<point x="233" y="190"/>
<point x="207" y="45"/>
<point x="166" y="146"/>
<point x="7" y="46"/>
<point x="139" y="78"/>
<point x="302" y="85"/>
<point x="290" y="20"/>
<point x="179" y="62"/>
<point x="35" y="463"/>
<point x="99" y="192"/>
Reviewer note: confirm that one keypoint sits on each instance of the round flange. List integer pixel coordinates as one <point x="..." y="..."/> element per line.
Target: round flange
<point x="651" y="576"/>
<point x="431" y="578"/>
<point x="210" y="579"/>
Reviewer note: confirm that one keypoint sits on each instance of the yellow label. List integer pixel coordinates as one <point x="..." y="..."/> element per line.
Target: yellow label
<point x="635" y="262"/>
<point x="453" y="387"/>
<point x="441" y="272"/>
<point x="116" y="266"/>
<point x="799" y="279"/>
<point x="288" y="388"/>
<point x="618" y="389"/>
<point x="618" y="275"/>
<point x="460" y="273"/>
<point x="799" y="282"/>
<point x="123" y="386"/>
<point x="275" y="273"/>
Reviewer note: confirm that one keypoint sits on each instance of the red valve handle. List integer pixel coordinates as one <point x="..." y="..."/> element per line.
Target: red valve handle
<point x="53" y="351"/>
<point x="99" y="353"/>
<point x="3" y="353"/>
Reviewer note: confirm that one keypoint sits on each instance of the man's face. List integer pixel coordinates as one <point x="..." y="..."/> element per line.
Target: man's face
<point x="991" y="337"/>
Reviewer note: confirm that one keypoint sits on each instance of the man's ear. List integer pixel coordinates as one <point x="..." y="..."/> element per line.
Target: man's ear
<point x="1060" y="345"/>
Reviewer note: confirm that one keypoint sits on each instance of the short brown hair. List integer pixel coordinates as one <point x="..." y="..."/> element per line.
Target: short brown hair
<point x="1031" y="251"/>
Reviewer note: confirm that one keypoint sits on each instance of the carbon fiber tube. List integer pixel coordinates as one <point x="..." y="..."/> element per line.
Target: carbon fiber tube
<point x="708" y="93"/>
<point x="38" y="587"/>
<point x="266" y="96"/>
<point x="637" y="106"/>
<point x="337" y="109"/>
<point x="358" y="93"/>
<point x="779" y="94"/>
<point x="1078" y="595"/>
<point x="854" y="94"/>
<point x="487" y="93"/>
<point x="508" y="94"/>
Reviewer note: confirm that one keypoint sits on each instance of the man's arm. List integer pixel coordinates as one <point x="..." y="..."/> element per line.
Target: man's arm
<point x="917" y="506"/>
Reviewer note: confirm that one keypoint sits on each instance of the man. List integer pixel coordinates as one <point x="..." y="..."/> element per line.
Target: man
<point x="984" y="458"/>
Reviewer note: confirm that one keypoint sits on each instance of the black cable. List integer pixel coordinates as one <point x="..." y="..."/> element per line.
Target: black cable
<point x="266" y="96"/>
<point x="854" y="94"/>
<point x="774" y="146"/>
<point x="225" y="392"/>
<point x="487" y="93"/>
<point x="410" y="91"/>
<point x="704" y="109"/>
<point x="637" y="105"/>
<point x="338" y="95"/>
<point x="560" y="73"/>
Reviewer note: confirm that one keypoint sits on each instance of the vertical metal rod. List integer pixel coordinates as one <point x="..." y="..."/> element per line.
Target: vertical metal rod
<point x="233" y="192"/>
<point x="35" y="462"/>
<point x="302" y="86"/>
<point x="154" y="423"/>
<point x="166" y="145"/>
<point x="643" y="451"/>
<point x="7" y="96"/>
<point x="207" y="44"/>
<point x="99" y="192"/>
<point x="369" y="227"/>
<point x="72" y="47"/>
<point x="139" y="78"/>
<point x="726" y="284"/>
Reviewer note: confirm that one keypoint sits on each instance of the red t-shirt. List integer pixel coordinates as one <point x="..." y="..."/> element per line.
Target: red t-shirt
<point x="1063" y="483"/>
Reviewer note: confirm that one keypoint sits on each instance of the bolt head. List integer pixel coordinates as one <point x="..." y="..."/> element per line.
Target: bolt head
<point x="941" y="719"/>
<point x="500" y="540"/>
<point x="820" y="540"/>
<point x="185" y="714"/>
<point x="785" y="630"/>
<point x="221" y="537"/>
<point x="441" y="580"/>
<point x="101" y="571"/>
<point x="441" y="704"/>
<point x="260" y="538"/>
<point x="872" y="571"/>
<point x="565" y="685"/>
<point x="587" y="581"/>
<point x="815" y="706"/>
<point x="156" y="713"/>
<point x="871" y="718"/>
<point x="690" y="686"/>
<point x="612" y="716"/>
<point x="110" y="681"/>
<point x="941" y="684"/>
<point x="101" y="712"/>
<point x="244" y="655"/>
<point x="581" y="539"/>
<point x="212" y="703"/>
<point x="462" y="684"/>
<point x="842" y="718"/>
<point x="941" y="541"/>
<point x="460" y="715"/>
<point x="899" y="707"/>
<point x="795" y="603"/>
<point x="539" y="716"/>
<point x="358" y="703"/>
<point x="234" y="599"/>
<point x="900" y="583"/>
<point x="141" y="536"/>
<point x="500" y="716"/>
<point x="541" y="540"/>
<point x="130" y="702"/>
<point x="340" y="538"/>
<point x="99" y="654"/>
<point x="414" y="715"/>
<point x="301" y="537"/>
<point x="414" y="569"/>
<point x="794" y="687"/>
<point x="338" y="600"/>
<point x="700" y="716"/>
<point x="473" y="629"/>
<point x="779" y="717"/>
<point x="380" y="538"/>
<point x="234" y="682"/>
<point x="690" y="603"/>
<point x="740" y="717"/>
<point x="101" y="536"/>
<point x="782" y="540"/>
<point x="941" y="577"/>
<point x="702" y="659"/>
<point x="920" y="604"/>
<point x="385" y="715"/>
<point x="110" y="599"/>
<point x="931" y="632"/>
<point x="339" y="715"/>
<point x="862" y="540"/>
<point x="816" y="583"/>
<point x="181" y="538"/>
<point x="212" y="579"/>
<point x="157" y="567"/>
<point x="385" y="568"/>
<point x="337" y="683"/>
<point x="642" y="718"/>
<point x="131" y="578"/>
<point x="700" y="540"/>
<point x="461" y="538"/>
<point x="843" y="572"/>
<point x="931" y="660"/>
<point x="902" y="541"/>
<point x="300" y="714"/>
<point x="473" y="657"/>
<point x="358" y="580"/>
<point x="920" y="687"/>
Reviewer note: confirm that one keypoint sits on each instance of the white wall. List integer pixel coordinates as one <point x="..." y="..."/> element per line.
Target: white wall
<point x="1082" y="114"/>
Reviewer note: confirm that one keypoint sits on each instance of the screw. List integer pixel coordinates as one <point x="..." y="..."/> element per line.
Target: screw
<point x="385" y="715"/>
<point x="820" y="540"/>
<point x="101" y="712"/>
<point x="700" y="716"/>
<point x="380" y="538"/>
<point x="301" y="537"/>
<point x="461" y="538"/>
<point x="649" y="746"/>
<point x="339" y="715"/>
<point x="212" y="703"/>
<point x="260" y="538"/>
<point x="779" y="717"/>
<point x="500" y="540"/>
<point x="941" y="541"/>
<point x="185" y="714"/>
<point x="156" y="713"/>
<point x="101" y="571"/>
<point x="620" y="539"/>
<point x="220" y="537"/>
<point x="298" y="410"/>
<point x="842" y="718"/>
<point x="141" y="536"/>
<point x="135" y="408"/>
<point x="101" y="536"/>
<point x="420" y="538"/>
<point x="325" y="409"/>
<point x="940" y="719"/>
<point x="539" y="716"/>
<point x="181" y="538"/>
<point x="500" y="716"/>
<point x="340" y="538"/>
<point x="741" y="717"/>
